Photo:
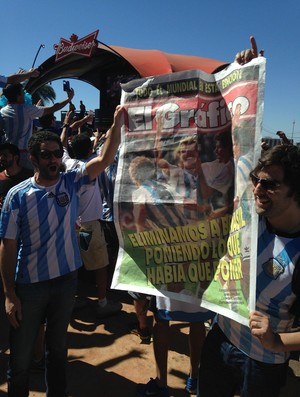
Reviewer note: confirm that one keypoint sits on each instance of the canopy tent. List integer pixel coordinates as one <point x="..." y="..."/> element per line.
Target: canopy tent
<point x="110" y="65"/>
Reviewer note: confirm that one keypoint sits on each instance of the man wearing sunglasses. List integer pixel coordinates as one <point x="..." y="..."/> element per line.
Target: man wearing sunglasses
<point x="253" y="361"/>
<point x="39" y="256"/>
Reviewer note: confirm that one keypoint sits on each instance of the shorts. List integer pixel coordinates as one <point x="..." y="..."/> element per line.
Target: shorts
<point x="92" y="244"/>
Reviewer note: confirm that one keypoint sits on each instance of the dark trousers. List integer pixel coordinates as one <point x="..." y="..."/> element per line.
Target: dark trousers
<point x="226" y="371"/>
<point x="52" y="300"/>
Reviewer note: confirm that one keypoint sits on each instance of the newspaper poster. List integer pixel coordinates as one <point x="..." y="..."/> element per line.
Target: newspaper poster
<point x="183" y="199"/>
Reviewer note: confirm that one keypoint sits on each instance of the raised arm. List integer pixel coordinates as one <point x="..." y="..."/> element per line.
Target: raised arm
<point x="59" y="105"/>
<point x="65" y="129"/>
<point x="22" y="76"/>
<point x="98" y="135"/>
<point x="79" y="123"/>
<point x="98" y="164"/>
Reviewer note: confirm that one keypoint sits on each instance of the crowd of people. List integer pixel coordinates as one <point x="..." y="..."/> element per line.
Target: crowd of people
<point x="56" y="203"/>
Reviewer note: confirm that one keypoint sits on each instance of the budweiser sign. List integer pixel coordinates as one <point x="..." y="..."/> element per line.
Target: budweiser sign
<point x="84" y="46"/>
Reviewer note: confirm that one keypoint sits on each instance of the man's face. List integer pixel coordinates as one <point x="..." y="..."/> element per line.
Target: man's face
<point x="6" y="160"/>
<point x="272" y="199"/>
<point x="189" y="156"/>
<point x="47" y="161"/>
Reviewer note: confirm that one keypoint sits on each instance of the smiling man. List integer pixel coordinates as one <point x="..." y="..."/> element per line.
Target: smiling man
<point x="234" y="359"/>
<point x="39" y="256"/>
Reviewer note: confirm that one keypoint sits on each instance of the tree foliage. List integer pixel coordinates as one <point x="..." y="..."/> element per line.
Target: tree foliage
<point x="46" y="94"/>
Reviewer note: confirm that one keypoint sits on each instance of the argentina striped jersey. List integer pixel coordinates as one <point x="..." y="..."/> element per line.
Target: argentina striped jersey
<point x="275" y="265"/>
<point x="18" y="121"/>
<point x="43" y="220"/>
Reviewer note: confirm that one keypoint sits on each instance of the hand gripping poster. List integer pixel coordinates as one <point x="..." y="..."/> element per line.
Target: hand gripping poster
<point x="183" y="199"/>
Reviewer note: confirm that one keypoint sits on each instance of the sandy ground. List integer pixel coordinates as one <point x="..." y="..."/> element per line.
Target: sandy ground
<point x="105" y="360"/>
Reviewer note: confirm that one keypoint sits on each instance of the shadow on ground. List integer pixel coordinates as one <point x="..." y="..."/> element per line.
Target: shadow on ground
<point x="106" y="360"/>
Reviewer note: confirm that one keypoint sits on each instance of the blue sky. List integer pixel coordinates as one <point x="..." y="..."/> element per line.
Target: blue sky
<point x="216" y="30"/>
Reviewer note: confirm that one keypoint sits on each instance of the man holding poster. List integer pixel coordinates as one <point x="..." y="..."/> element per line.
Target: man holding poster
<point x="234" y="357"/>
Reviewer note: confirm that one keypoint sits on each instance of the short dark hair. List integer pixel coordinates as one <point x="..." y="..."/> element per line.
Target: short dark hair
<point x="81" y="146"/>
<point x="287" y="157"/>
<point x="34" y="144"/>
<point x="13" y="149"/>
<point x="46" y="121"/>
<point x="12" y="91"/>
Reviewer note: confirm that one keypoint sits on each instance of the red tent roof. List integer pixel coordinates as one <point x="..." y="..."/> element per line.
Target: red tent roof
<point x="155" y="62"/>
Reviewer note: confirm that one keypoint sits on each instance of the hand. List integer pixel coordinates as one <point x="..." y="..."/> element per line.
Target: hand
<point x="68" y="117"/>
<point x="88" y="118"/>
<point x="264" y="145"/>
<point x="98" y="134"/>
<point x="283" y="137"/>
<point x="118" y="116"/>
<point x="246" y="56"/>
<point x="34" y="72"/>
<point x="260" y="327"/>
<point x="71" y="94"/>
<point x="13" y="310"/>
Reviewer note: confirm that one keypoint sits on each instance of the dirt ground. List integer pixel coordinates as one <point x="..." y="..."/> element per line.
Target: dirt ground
<point x="105" y="360"/>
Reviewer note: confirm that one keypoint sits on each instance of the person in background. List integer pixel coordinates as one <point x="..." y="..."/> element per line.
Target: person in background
<point x="11" y="173"/>
<point x="48" y="123"/>
<point x="92" y="244"/>
<point x="82" y="110"/>
<point x="141" y="328"/>
<point x="107" y="184"/>
<point x="18" y="118"/>
<point x="283" y="138"/>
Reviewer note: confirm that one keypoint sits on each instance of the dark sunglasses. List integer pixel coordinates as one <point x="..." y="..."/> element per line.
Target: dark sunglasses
<point x="266" y="184"/>
<point x="47" y="154"/>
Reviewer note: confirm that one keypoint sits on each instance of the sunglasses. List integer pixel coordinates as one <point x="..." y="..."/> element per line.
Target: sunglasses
<point x="266" y="184"/>
<point x="47" y="154"/>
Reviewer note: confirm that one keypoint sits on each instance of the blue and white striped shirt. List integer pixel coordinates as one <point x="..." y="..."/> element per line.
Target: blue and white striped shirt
<point x="276" y="258"/>
<point x="43" y="220"/>
<point x="107" y="185"/>
<point x="18" y="120"/>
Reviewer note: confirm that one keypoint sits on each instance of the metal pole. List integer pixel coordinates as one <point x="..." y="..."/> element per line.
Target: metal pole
<point x="293" y="131"/>
<point x="37" y="53"/>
